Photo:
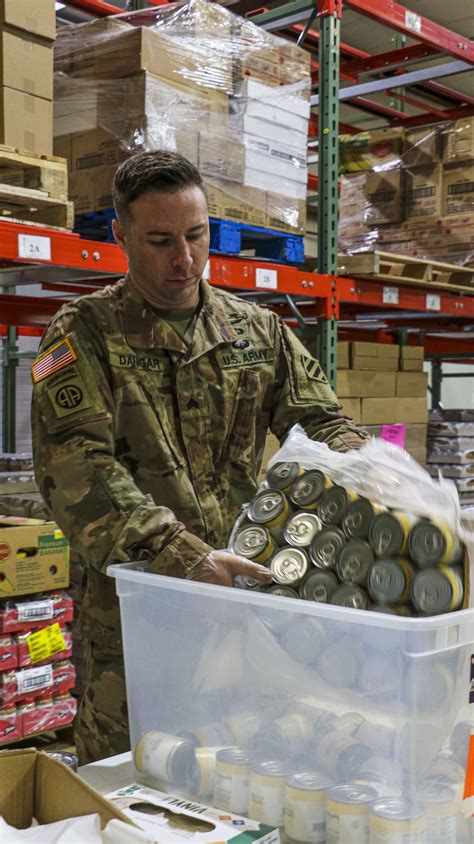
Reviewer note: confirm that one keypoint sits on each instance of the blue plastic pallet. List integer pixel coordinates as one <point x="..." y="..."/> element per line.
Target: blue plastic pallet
<point x="96" y="225"/>
<point x="232" y="238"/>
<point x="227" y="237"/>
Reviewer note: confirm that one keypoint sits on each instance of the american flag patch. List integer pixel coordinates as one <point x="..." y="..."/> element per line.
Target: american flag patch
<point x="62" y="354"/>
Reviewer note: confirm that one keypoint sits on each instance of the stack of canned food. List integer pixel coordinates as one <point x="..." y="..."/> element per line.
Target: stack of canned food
<point x="311" y="806"/>
<point x="325" y="543"/>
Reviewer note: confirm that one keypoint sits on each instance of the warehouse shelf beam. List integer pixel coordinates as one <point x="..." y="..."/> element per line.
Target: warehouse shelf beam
<point x="398" y="81"/>
<point x="97" y="8"/>
<point x="390" y="14"/>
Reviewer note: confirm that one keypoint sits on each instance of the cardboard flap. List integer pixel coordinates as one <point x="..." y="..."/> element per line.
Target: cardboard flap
<point x="60" y="793"/>
<point x="17" y="780"/>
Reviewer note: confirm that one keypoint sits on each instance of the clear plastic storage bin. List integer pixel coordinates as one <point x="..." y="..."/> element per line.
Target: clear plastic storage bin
<point x="374" y="701"/>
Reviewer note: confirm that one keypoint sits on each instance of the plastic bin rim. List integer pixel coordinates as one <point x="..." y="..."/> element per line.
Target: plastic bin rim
<point x="134" y="573"/>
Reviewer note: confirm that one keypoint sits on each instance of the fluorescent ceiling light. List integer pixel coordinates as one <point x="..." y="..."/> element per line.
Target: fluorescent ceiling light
<point x="58" y="5"/>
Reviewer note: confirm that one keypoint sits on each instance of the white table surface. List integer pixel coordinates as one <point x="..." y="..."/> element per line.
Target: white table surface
<point x="109" y="774"/>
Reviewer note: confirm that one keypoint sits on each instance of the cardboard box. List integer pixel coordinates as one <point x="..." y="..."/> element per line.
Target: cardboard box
<point x="30" y="16"/>
<point x="411" y="365"/>
<point x="370" y="149"/>
<point x="26" y="63"/>
<point x="412" y="384"/>
<point x="422" y="147"/>
<point x="384" y="192"/>
<point x="361" y="349"/>
<point x="343" y="360"/>
<point x="141" y="48"/>
<point x="34" y="556"/>
<point x="459" y="141"/>
<point x="412" y="410"/>
<point x="349" y="383"/>
<point x="458" y="190"/>
<point x="26" y="122"/>
<point x="377" y="410"/>
<point x="383" y="364"/>
<point x="33" y="785"/>
<point x="424" y="187"/>
<point x="351" y="408"/>
<point x="412" y="352"/>
<point x="183" y="819"/>
<point x="377" y="384"/>
<point x="231" y="201"/>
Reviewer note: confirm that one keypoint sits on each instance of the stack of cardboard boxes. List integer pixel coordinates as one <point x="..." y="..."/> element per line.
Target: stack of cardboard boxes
<point x="200" y="80"/>
<point x="36" y="674"/>
<point x="384" y="389"/>
<point x="27" y="33"/>
<point x="410" y="194"/>
<point x="451" y="449"/>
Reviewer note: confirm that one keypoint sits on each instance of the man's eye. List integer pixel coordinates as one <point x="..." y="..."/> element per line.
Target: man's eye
<point x="158" y="242"/>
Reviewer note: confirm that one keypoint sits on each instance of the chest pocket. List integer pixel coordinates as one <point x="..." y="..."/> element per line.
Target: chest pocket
<point x="144" y="425"/>
<point x="166" y="454"/>
<point x="240" y="442"/>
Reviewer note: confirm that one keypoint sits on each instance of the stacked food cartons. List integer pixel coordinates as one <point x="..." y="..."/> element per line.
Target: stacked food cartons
<point x="410" y="193"/>
<point x="20" y="497"/>
<point x="195" y="78"/>
<point x="383" y="388"/>
<point x="36" y="673"/>
<point x="451" y="449"/>
<point x="27" y="34"/>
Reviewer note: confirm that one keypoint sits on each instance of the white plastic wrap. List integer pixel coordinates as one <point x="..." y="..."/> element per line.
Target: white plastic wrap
<point x="380" y="471"/>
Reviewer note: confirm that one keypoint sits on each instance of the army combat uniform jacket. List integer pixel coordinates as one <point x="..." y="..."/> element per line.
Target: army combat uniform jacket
<point x="146" y="447"/>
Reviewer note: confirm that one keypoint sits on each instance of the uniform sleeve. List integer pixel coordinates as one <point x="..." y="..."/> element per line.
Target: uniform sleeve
<point x="90" y="494"/>
<point x="304" y="395"/>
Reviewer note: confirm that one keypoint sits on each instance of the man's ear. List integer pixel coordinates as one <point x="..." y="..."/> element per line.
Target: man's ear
<point x="119" y="235"/>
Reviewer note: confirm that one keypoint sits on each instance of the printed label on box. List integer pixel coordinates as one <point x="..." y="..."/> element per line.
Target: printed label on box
<point x="394" y="434"/>
<point x="35" y="611"/>
<point x="45" y="643"/>
<point x="33" y="679"/>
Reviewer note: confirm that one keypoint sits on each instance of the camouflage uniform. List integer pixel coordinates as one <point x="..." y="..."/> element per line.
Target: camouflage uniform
<point x="146" y="447"/>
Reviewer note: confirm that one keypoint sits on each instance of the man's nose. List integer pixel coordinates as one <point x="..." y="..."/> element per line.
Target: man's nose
<point x="182" y="257"/>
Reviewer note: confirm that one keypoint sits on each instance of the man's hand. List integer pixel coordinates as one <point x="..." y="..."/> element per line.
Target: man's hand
<point x="221" y="567"/>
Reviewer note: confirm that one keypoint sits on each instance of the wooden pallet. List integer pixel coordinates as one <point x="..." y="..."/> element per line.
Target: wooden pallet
<point x="400" y="269"/>
<point x="33" y="188"/>
<point x="23" y="169"/>
<point x="35" y="206"/>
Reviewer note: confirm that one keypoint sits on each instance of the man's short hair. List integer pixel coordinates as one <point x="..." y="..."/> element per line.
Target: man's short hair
<point x="145" y="172"/>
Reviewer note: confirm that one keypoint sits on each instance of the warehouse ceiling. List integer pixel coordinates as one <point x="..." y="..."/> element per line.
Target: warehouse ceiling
<point x="365" y="34"/>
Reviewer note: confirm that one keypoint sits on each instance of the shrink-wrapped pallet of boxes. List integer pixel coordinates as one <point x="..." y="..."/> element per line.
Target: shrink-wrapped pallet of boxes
<point x="409" y="192"/>
<point x="196" y="79"/>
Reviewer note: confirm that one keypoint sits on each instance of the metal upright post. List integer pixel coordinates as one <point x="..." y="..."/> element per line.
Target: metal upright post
<point x="329" y="13"/>
<point x="9" y="362"/>
<point x="436" y="381"/>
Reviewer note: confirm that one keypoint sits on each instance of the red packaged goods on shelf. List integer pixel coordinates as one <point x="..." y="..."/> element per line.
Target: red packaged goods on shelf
<point x="10" y="724"/>
<point x="48" y="714"/>
<point x="24" y="616"/>
<point x="37" y="682"/>
<point x="8" y="653"/>
<point x="23" y="653"/>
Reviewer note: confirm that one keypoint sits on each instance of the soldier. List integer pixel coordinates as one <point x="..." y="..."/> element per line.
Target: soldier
<point x="152" y="401"/>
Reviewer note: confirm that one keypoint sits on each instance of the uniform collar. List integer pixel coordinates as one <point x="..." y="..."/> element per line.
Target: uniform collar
<point x="145" y="329"/>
